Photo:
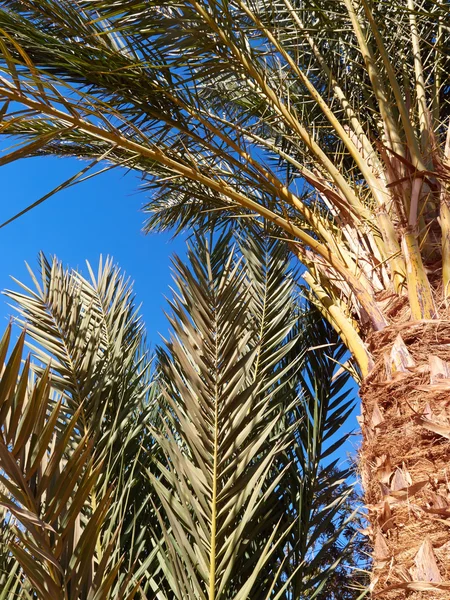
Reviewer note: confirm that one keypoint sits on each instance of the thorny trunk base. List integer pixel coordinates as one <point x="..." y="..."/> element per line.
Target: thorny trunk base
<point x="405" y="460"/>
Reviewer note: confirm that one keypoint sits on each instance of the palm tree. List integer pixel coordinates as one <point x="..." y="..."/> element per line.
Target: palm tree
<point x="327" y="119"/>
<point x="112" y="484"/>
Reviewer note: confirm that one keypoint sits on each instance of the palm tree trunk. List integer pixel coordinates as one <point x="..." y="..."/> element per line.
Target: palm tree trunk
<point x="404" y="459"/>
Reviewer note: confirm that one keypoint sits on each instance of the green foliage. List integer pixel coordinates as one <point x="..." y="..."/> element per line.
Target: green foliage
<point x="225" y="398"/>
<point x="316" y="489"/>
<point x="211" y="84"/>
<point x="326" y="118"/>
<point x="68" y="447"/>
<point x="212" y="478"/>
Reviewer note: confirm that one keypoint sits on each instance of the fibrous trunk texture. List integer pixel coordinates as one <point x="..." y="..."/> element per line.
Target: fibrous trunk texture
<point x="405" y="459"/>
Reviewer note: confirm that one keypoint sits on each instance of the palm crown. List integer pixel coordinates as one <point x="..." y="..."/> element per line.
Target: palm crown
<point x="308" y="114"/>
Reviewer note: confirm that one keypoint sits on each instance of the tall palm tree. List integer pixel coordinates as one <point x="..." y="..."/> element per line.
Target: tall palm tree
<point x="326" y="118"/>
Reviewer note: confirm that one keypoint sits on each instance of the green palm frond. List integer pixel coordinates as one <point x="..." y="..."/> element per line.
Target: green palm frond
<point x="87" y="337"/>
<point x="91" y="334"/>
<point x="240" y="436"/>
<point x="217" y="426"/>
<point x="245" y="439"/>
<point x="56" y="517"/>
<point x="326" y="118"/>
<point x="317" y="487"/>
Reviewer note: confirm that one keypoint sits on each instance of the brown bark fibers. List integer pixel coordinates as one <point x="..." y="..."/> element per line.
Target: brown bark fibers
<point x="405" y="459"/>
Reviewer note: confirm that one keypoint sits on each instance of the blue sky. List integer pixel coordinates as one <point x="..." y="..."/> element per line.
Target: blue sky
<point x="99" y="216"/>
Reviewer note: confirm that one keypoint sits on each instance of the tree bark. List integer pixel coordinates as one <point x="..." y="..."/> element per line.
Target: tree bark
<point x="405" y="459"/>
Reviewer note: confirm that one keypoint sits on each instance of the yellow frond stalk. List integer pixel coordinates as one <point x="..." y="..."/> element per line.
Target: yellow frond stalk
<point x="424" y="115"/>
<point x="355" y="123"/>
<point x="378" y="191"/>
<point x="445" y="228"/>
<point x="395" y="258"/>
<point x="376" y="80"/>
<point x="419" y="289"/>
<point x="365" y="299"/>
<point x="400" y="104"/>
<point x="342" y="325"/>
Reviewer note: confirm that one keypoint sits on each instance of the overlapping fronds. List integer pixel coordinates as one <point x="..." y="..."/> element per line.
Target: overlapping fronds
<point x="89" y="350"/>
<point x="59" y="530"/>
<point x="220" y="488"/>
<point x="91" y="334"/>
<point x="217" y="485"/>
<point x="244" y="501"/>
<point x="316" y="489"/>
<point x="328" y="119"/>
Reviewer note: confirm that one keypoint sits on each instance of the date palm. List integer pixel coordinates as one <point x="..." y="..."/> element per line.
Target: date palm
<point x="248" y="479"/>
<point x="328" y="119"/>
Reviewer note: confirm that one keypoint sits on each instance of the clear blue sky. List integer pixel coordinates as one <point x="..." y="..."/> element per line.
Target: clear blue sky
<point x="99" y="216"/>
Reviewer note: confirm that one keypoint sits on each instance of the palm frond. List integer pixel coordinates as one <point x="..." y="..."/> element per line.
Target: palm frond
<point x="237" y="437"/>
<point x="244" y="439"/>
<point x="55" y="512"/>
<point x="327" y="119"/>
<point x="318" y="486"/>
<point x="88" y="338"/>
<point x="91" y="334"/>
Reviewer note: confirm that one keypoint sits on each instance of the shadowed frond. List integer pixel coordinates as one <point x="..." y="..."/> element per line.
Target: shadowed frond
<point x="60" y="524"/>
<point x="317" y="485"/>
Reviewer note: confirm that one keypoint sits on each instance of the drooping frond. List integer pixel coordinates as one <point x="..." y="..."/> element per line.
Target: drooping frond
<point x="317" y="488"/>
<point x="329" y="119"/>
